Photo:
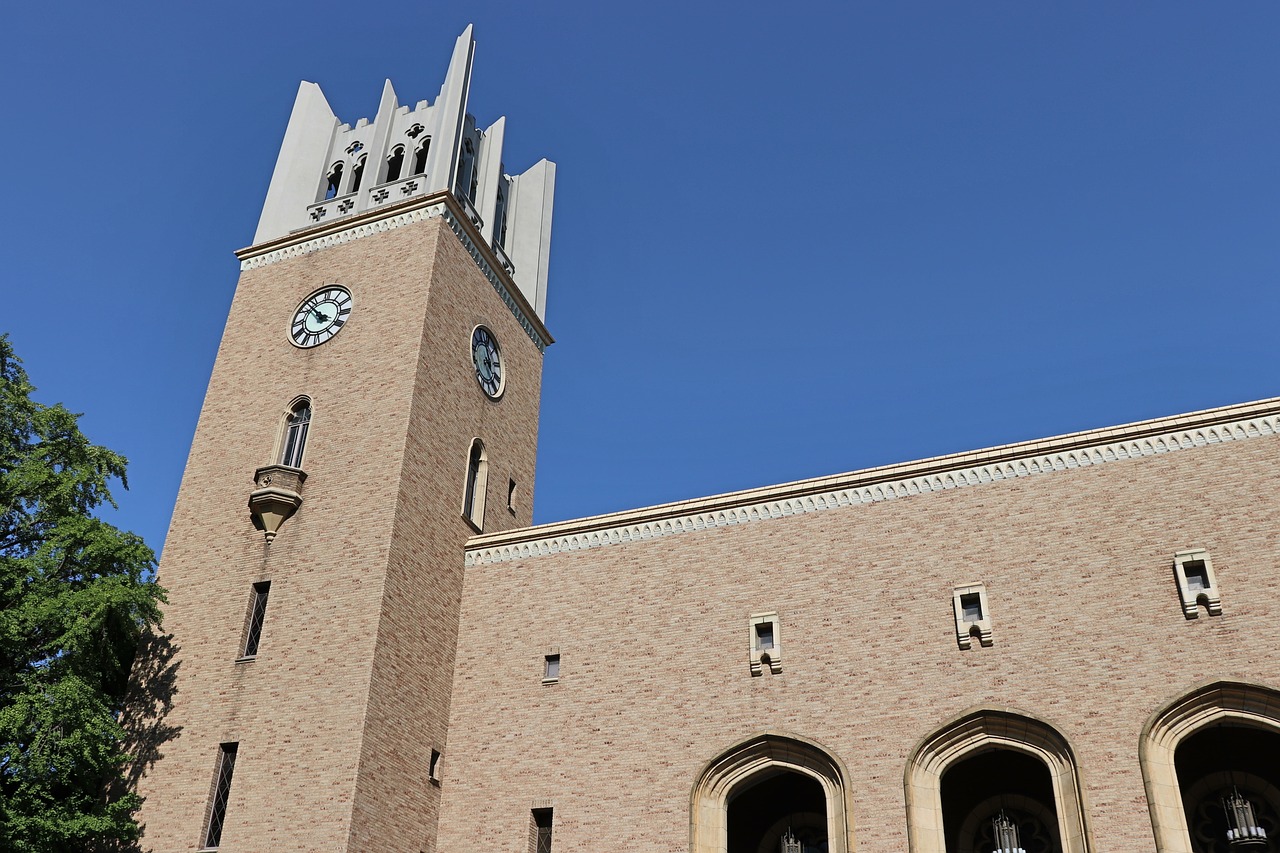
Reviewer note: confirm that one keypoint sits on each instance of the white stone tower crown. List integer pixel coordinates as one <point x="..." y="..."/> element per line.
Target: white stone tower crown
<point x="328" y="170"/>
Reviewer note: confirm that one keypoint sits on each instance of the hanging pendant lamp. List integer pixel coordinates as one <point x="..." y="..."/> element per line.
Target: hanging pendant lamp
<point x="1005" y="833"/>
<point x="1243" y="831"/>
<point x="791" y="844"/>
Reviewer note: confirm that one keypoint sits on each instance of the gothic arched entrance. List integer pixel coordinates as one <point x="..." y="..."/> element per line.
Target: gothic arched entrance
<point x="767" y="788"/>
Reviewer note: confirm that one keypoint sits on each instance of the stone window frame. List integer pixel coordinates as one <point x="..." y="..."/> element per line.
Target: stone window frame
<point x="282" y="434"/>
<point x="1210" y="596"/>
<point x="724" y="776"/>
<point x="978" y="730"/>
<point x="1252" y="705"/>
<point x="758" y="655"/>
<point x="966" y="629"/>
<point x="547" y="659"/>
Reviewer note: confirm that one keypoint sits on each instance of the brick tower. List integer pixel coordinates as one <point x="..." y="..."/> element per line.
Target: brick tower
<point x="374" y="403"/>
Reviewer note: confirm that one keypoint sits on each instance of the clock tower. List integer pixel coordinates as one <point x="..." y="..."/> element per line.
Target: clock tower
<point x="374" y="403"/>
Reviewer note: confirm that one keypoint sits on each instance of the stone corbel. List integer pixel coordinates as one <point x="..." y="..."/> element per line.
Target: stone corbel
<point x="277" y="496"/>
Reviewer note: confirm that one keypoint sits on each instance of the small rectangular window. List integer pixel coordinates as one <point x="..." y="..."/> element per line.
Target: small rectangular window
<point x="221" y="793"/>
<point x="253" y="624"/>
<point x="433" y="773"/>
<point x="540" y="842"/>
<point x="764" y="635"/>
<point x="1197" y="583"/>
<point x="1197" y="576"/>
<point x="551" y="668"/>
<point x="972" y="610"/>
<point x="511" y="495"/>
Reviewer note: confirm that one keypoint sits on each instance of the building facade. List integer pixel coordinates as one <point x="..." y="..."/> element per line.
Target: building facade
<point x="1061" y="645"/>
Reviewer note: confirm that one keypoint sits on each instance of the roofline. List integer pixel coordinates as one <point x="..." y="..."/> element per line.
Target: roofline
<point x="1005" y="461"/>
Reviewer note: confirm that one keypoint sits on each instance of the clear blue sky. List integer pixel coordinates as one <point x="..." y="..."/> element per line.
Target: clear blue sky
<point x="790" y="239"/>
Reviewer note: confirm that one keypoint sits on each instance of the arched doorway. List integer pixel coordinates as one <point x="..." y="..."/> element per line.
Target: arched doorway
<point x="1229" y="778"/>
<point x="991" y="776"/>
<point x="1211" y="763"/>
<point x="768" y="787"/>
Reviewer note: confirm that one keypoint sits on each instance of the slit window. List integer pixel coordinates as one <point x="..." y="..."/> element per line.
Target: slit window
<point x="295" y="436"/>
<point x="465" y="182"/>
<point x="477" y="478"/>
<point x="257" y="613"/>
<point x="971" y="607"/>
<point x="433" y="772"/>
<point x="551" y="668"/>
<point x="500" y="215"/>
<point x="221" y="793"/>
<point x="541" y="831"/>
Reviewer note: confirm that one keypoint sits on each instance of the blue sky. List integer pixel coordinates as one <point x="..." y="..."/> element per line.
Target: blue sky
<point x="790" y="240"/>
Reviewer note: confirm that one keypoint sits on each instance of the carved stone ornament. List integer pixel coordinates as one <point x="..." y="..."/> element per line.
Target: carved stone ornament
<point x="278" y="496"/>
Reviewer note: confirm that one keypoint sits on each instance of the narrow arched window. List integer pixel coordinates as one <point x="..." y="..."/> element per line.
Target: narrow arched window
<point x="477" y="480"/>
<point x="420" y="156"/>
<point x="395" y="163"/>
<point x="295" y="434"/>
<point x="357" y="174"/>
<point x="335" y="180"/>
<point x="500" y="215"/>
<point x="465" y="181"/>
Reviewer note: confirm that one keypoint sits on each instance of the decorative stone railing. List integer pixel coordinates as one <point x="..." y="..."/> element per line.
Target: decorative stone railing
<point x="397" y="190"/>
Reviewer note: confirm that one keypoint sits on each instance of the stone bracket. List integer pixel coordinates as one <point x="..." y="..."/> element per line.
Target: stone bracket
<point x="277" y="496"/>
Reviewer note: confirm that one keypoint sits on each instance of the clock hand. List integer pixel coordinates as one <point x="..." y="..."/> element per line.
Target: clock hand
<point x="323" y="318"/>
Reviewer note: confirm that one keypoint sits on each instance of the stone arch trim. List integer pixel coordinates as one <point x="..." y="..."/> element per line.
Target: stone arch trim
<point x="720" y="777"/>
<point x="981" y="729"/>
<point x="1241" y="703"/>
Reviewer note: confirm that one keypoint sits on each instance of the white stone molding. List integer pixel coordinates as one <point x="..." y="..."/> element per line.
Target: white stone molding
<point x="891" y="482"/>
<point x="389" y="218"/>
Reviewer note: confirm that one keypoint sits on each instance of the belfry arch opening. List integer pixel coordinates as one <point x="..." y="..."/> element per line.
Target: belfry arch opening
<point x="1211" y="763"/>
<point x="995" y="780"/>
<point x="767" y="789"/>
<point x="996" y="798"/>
<point x="1229" y="776"/>
<point x="776" y="806"/>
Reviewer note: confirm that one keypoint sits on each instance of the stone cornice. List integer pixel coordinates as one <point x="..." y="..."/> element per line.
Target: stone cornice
<point x="390" y="217"/>
<point x="888" y="482"/>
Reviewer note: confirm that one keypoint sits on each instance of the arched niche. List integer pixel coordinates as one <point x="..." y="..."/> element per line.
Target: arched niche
<point x="984" y="730"/>
<point x="1219" y="703"/>
<point x="758" y="759"/>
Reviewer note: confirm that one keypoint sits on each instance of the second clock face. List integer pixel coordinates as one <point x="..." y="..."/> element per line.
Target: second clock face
<point x="320" y="316"/>
<point x="488" y="362"/>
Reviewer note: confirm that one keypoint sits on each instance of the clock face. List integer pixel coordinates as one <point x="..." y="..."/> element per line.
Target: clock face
<point x="320" y="316"/>
<point x="488" y="362"/>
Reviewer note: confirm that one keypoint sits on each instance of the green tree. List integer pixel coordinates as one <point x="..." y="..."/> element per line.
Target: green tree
<point x="77" y="596"/>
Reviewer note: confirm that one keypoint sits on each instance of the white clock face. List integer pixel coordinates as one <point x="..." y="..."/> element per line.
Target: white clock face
<point x="488" y="362"/>
<point x="320" y="316"/>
